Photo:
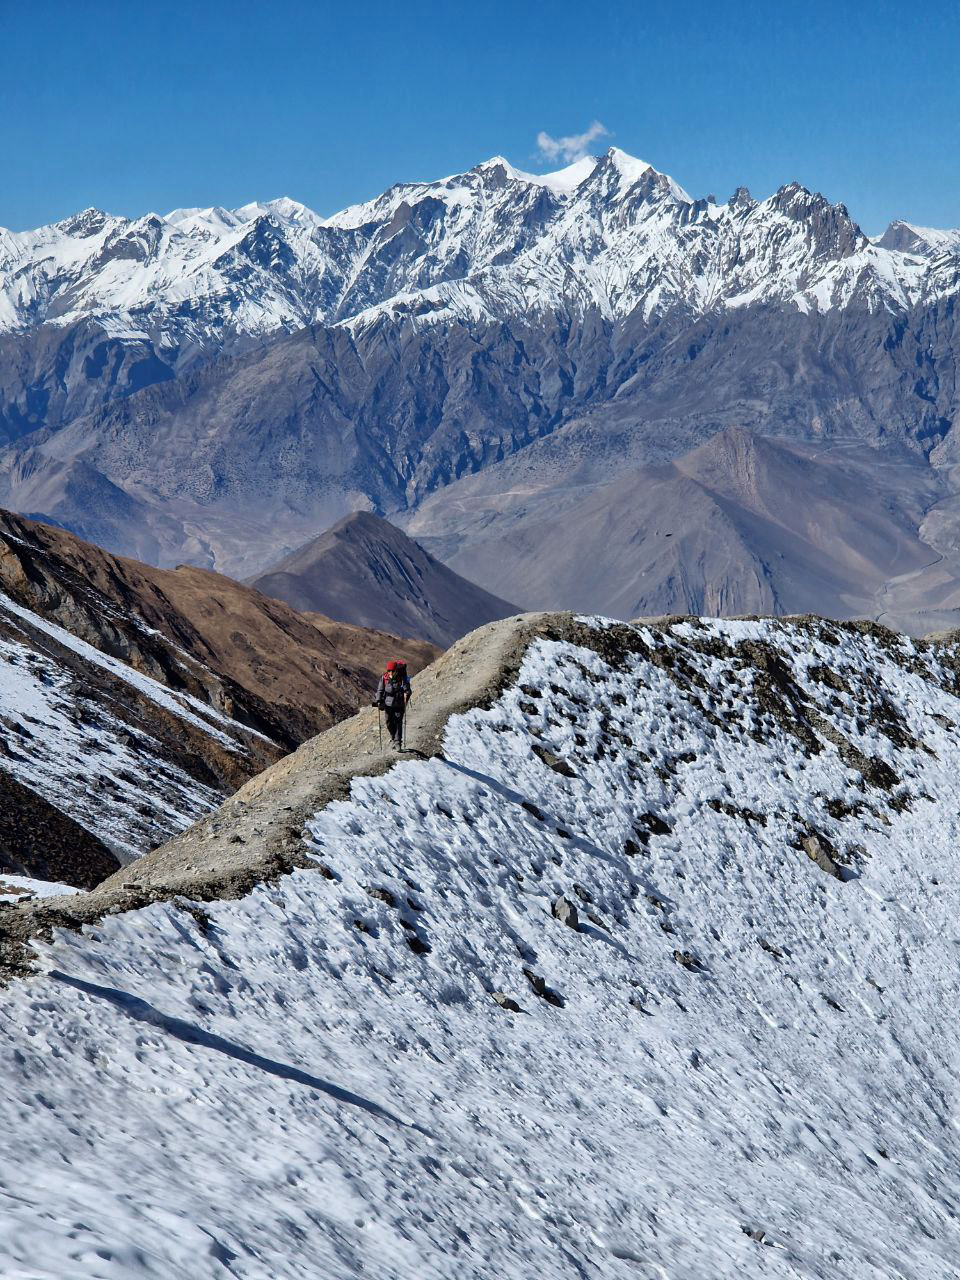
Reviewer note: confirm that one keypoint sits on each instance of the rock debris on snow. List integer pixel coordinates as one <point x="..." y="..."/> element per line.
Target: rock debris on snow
<point x="562" y="909"/>
<point x="813" y="847"/>
<point x="505" y="1002"/>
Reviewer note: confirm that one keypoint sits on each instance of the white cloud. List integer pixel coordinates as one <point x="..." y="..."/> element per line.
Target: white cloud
<point x="574" y="147"/>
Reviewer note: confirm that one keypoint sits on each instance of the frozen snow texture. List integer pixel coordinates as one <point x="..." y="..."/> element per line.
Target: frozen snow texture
<point x="751" y="1070"/>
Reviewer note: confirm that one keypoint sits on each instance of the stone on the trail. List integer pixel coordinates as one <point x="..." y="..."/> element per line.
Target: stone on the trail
<point x="564" y="911"/>
<point x="688" y="960"/>
<point x="505" y="1002"/>
<point x="815" y="851"/>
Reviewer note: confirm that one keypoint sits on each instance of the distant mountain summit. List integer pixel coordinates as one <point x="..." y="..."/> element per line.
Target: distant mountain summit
<point x="367" y="572"/>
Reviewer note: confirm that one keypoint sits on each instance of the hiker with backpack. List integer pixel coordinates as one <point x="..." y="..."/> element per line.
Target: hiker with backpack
<point x="393" y="694"/>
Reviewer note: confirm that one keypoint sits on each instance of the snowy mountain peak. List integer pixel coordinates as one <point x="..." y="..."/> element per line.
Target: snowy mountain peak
<point x="283" y="208"/>
<point x="742" y="200"/>
<point x="564" y="181"/>
<point x="89" y="222"/>
<point x="608" y="233"/>
<point x="829" y="226"/>
<point x="496" y="162"/>
<point x="924" y="242"/>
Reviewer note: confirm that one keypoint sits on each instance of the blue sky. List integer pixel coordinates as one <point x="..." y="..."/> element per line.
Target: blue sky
<point x="146" y="107"/>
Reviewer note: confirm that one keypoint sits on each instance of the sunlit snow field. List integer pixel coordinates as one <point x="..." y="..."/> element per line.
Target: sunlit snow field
<point x="284" y="1087"/>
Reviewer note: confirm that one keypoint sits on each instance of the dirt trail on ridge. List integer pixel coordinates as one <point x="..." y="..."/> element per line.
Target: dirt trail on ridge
<point x="257" y="834"/>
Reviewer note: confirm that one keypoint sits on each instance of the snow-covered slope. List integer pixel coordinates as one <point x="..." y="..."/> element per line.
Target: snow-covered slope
<point x="741" y="1062"/>
<point x="126" y="759"/>
<point x="609" y="233"/>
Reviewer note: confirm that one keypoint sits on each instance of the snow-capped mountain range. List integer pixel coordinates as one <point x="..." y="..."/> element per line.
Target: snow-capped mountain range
<point x="609" y="233"/>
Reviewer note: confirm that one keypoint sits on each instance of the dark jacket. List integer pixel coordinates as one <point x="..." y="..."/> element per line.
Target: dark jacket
<point x="393" y="694"/>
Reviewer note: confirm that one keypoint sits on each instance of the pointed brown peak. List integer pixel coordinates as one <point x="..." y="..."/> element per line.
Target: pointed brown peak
<point x="360" y="532"/>
<point x="366" y="523"/>
<point x="901" y="237"/>
<point x="741" y="464"/>
<point x="366" y="571"/>
<point x="731" y="443"/>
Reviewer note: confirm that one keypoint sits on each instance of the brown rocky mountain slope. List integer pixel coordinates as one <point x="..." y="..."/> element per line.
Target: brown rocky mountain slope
<point x="252" y="658"/>
<point x="366" y="571"/>
<point x="742" y="524"/>
<point x="99" y="762"/>
<point x="134" y="700"/>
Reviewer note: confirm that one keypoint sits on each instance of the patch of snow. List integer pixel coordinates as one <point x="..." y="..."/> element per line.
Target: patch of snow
<point x="13" y="888"/>
<point x="563" y="181"/>
<point x="85" y="760"/>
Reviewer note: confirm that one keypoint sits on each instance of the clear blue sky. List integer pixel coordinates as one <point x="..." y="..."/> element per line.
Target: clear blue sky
<point x="135" y="107"/>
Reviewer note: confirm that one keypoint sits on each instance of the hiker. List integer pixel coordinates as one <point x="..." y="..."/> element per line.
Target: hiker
<point x="393" y="694"/>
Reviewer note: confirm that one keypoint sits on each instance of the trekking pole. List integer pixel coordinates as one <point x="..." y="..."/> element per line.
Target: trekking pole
<point x="379" y="728"/>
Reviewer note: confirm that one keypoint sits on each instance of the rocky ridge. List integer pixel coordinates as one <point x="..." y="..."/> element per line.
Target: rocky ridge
<point x="489" y="243"/>
<point x="257" y="833"/>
